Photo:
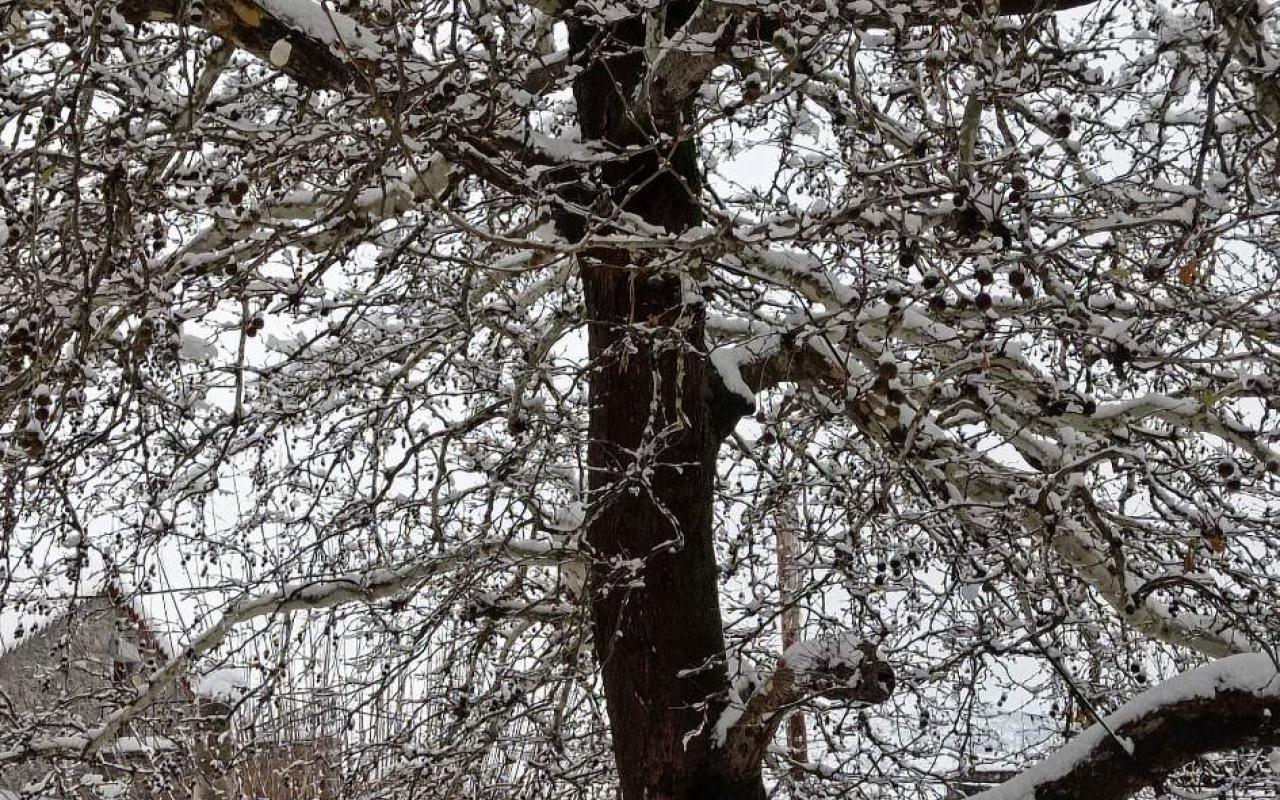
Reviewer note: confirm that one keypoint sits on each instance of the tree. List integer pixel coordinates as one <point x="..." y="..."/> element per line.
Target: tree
<point x="449" y="328"/>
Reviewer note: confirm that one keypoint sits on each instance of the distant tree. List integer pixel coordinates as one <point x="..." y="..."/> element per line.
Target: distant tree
<point x="463" y="359"/>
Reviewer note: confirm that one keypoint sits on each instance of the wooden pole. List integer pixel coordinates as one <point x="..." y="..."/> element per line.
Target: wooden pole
<point x="785" y="523"/>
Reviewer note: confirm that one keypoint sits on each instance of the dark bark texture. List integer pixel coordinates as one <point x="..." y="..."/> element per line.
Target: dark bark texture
<point x="655" y="607"/>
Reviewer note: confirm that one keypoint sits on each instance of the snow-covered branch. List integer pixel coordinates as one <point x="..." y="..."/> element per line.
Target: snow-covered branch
<point x="686" y="59"/>
<point x="222" y="240"/>
<point x="74" y="745"/>
<point x="317" y="46"/>
<point x="1090" y="561"/>
<point x="876" y="15"/>
<point x="840" y="668"/>
<point x="1230" y="704"/>
<point x="1249" y="45"/>
<point x="769" y="359"/>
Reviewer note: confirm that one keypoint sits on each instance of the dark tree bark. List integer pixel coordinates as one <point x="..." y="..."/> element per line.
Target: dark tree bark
<point x="658" y="412"/>
<point x="1164" y="740"/>
<point x="652" y="453"/>
<point x="656" y="615"/>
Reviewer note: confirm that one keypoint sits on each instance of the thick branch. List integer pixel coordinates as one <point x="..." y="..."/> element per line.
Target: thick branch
<point x="1244" y="24"/>
<point x="325" y="49"/>
<point x="1090" y="562"/>
<point x="222" y="240"/>
<point x="838" y="668"/>
<point x="686" y="61"/>
<point x="771" y="359"/>
<point x="689" y="56"/>
<point x="73" y="745"/>
<point x="743" y="370"/>
<point x="1230" y="704"/>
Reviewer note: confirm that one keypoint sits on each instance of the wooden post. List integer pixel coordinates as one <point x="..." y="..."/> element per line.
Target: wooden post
<point x="784" y="529"/>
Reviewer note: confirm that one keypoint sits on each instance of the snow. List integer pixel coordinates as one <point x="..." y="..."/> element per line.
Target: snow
<point x="123" y="745"/>
<point x="224" y="685"/>
<point x="323" y="24"/>
<point x="194" y="348"/>
<point x="822" y="655"/>
<point x="567" y="147"/>
<point x="728" y="362"/>
<point x="280" y="52"/>
<point x="725" y="722"/>
<point x="803" y="270"/>
<point x="1148" y="404"/>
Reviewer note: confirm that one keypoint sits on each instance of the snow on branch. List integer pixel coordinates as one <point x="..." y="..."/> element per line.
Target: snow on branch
<point x="838" y="667"/>
<point x="1229" y="704"/>
<point x="686" y="59"/>
<point x="1253" y="51"/>
<point x="1090" y="562"/>
<point x="759" y="364"/>
<point x="322" y="48"/>
<point x="72" y="745"/>
<point x="317" y="46"/>
<point x="868" y="15"/>
<point x="831" y="360"/>
<point x="841" y="668"/>
<point x="222" y="240"/>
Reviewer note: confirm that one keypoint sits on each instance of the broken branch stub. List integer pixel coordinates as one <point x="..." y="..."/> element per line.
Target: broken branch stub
<point x="840" y="668"/>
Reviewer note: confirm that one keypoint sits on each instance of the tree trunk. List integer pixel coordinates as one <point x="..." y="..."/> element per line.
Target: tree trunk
<point x="652" y="452"/>
<point x="656" y="614"/>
